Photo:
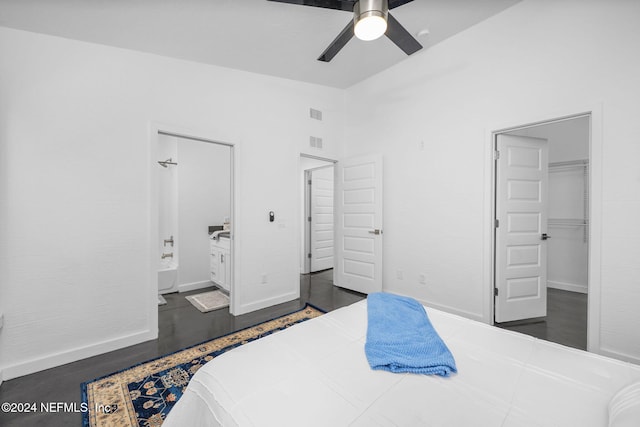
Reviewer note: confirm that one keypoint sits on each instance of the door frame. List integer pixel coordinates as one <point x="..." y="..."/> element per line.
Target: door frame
<point x="308" y="194"/>
<point x="595" y="213"/>
<point x="156" y="129"/>
<point x="304" y="230"/>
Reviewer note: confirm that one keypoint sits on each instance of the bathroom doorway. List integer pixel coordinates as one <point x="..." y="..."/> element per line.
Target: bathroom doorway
<point x="542" y="235"/>
<point x="194" y="190"/>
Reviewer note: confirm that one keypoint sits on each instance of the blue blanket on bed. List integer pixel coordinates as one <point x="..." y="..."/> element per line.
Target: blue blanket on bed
<point x="400" y="337"/>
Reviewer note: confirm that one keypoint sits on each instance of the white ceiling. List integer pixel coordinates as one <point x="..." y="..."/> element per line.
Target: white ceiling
<point x="260" y="36"/>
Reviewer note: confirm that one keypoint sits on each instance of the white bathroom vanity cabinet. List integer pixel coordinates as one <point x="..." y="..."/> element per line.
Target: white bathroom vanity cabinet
<point x="221" y="262"/>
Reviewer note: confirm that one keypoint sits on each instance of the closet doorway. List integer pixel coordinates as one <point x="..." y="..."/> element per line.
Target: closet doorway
<point x="542" y="234"/>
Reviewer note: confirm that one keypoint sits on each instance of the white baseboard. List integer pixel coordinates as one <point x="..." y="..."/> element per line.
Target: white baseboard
<point x="453" y="310"/>
<point x="268" y="302"/>
<point x="73" y="355"/>
<point x="442" y="307"/>
<point x="448" y="309"/>
<point x="619" y="355"/>
<point x="186" y="287"/>
<point x="572" y="287"/>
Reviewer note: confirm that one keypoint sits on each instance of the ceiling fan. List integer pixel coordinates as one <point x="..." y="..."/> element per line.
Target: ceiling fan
<point x="371" y="19"/>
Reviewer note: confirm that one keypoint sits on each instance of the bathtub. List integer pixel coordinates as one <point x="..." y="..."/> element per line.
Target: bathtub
<point x="167" y="276"/>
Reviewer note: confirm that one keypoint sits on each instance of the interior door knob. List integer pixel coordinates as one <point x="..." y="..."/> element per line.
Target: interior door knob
<point x="376" y="231"/>
<point x="545" y="236"/>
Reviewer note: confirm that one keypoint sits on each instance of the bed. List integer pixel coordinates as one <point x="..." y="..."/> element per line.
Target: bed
<point x="316" y="374"/>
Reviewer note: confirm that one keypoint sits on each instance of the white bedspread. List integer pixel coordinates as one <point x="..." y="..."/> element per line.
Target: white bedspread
<point x="316" y="374"/>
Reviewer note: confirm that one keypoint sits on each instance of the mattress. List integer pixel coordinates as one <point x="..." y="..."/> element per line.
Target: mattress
<point x="316" y="374"/>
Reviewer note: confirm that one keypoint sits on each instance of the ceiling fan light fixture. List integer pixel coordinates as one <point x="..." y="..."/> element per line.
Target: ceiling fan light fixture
<point x="370" y="19"/>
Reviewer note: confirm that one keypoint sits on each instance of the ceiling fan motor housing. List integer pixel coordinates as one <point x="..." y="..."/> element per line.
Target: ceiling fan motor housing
<point x="367" y="8"/>
<point x="371" y="20"/>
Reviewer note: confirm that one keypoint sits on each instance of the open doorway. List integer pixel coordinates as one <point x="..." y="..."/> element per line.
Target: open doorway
<point x="356" y="222"/>
<point x="317" y="184"/>
<point x="542" y="206"/>
<point x="193" y="186"/>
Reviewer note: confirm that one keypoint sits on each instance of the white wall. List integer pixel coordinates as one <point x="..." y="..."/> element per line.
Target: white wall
<point x="568" y="251"/>
<point x="537" y="60"/>
<point x="568" y="139"/>
<point x="167" y="199"/>
<point x="204" y="199"/>
<point x="75" y="200"/>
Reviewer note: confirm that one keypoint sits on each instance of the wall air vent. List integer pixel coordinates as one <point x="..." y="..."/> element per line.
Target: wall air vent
<point x="315" y="114"/>
<point x="315" y="142"/>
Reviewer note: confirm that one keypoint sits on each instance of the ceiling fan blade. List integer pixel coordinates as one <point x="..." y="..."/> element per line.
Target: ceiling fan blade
<point x="395" y="3"/>
<point x="346" y="5"/>
<point x="401" y="37"/>
<point x="345" y="35"/>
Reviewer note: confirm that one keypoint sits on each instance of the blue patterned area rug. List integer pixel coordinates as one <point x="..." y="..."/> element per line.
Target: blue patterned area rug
<point x="143" y="395"/>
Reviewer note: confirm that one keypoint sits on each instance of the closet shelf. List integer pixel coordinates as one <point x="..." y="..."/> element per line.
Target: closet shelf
<point x="571" y="164"/>
<point x="582" y="164"/>
<point x="567" y="222"/>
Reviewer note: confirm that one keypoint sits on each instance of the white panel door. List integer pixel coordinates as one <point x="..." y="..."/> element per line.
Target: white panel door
<point x="358" y="224"/>
<point x="321" y="218"/>
<point x="521" y="209"/>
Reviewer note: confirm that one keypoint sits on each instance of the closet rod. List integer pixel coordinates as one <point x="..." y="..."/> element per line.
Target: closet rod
<point x="570" y="163"/>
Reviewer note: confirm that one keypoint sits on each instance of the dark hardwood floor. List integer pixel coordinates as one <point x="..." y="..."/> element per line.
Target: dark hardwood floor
<point x="565" y="323"/>
<point x="180" y="325"/>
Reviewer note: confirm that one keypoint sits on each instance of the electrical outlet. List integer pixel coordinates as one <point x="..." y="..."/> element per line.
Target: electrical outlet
<point x="422" y="279"/>
<point x="399" y="274"/>
<point x="264" y="278"/>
